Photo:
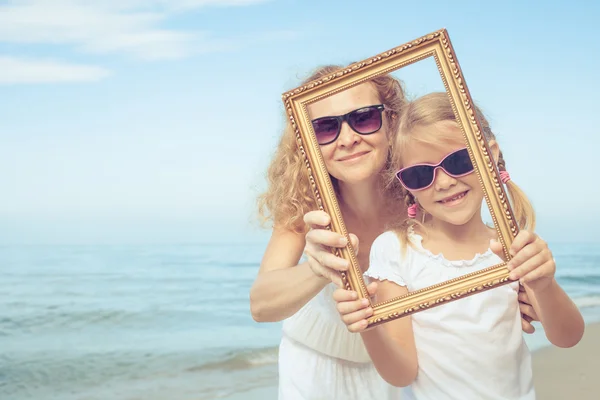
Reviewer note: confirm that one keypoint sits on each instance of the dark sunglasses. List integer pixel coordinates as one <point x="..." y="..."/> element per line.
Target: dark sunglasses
<point x="364" y="121"/>
<point x="421" y="176"/>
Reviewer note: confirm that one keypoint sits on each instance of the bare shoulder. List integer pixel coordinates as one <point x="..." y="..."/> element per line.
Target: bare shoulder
<point x="284" y="250"/>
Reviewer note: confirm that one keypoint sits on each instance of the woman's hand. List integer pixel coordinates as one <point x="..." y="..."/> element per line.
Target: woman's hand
<point x="319" y="242"/>
<point x="354" y="311"/>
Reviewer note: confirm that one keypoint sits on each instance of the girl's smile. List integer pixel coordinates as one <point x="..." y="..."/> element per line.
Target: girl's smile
<point x="454" y="200"/>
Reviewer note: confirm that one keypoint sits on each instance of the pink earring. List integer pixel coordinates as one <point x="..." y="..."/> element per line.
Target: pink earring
<point x="504" y="176"/>
<point x="412" y="210"/>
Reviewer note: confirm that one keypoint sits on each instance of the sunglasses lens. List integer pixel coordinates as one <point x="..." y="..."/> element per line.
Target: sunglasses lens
<point x="458" y="163"/>
<point x="366" y="120"/>
<point x="326" y="129"/>
<point x="417" y="177"/>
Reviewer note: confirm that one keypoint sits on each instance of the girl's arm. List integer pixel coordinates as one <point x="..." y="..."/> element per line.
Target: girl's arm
<point x="391" y="346"/>
<point x="528" y="314"/>
<point x="560" y="317"/>
<point x="534" y="265"/>
<point x="282" y="287"/>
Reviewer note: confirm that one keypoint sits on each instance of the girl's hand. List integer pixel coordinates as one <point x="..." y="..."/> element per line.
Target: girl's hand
<point x="532" y="263"/>
<point x="528" y="314"/>
<point x="319" y="242"/>
<point x="354" y="311"/>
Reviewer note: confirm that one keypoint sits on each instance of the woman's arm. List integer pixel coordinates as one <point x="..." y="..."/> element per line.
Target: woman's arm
<point x="391" y="346"/>
<point x="282" y="287"/>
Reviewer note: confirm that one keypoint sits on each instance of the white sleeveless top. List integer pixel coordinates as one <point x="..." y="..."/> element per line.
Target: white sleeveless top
<point x="472" y="348"/>
<point x="319" y="326"/>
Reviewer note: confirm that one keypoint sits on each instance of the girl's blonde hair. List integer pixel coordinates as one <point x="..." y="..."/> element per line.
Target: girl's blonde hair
<point x="289" y="195"/>
<point x="433" y="108"/>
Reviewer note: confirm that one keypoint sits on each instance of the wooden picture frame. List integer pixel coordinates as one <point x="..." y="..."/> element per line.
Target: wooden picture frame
<point x="438" y="46"/>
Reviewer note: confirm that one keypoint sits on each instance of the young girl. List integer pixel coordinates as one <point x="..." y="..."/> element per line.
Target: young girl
<point x="471" y="348"/>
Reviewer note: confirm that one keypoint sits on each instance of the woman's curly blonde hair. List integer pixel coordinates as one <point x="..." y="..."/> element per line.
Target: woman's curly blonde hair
<point x="289" y="195"/>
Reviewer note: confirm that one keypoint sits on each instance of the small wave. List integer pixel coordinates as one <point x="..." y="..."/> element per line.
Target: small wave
<point x="580" y="278"/>
<point x="232" y="264"/>
<point x="243" y="359"/>
<point x="69" y="319"/>
<point x="588" y="301"/>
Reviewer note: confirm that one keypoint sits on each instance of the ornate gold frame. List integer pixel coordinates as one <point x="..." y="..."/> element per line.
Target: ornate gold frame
<point x="438" y="46"/>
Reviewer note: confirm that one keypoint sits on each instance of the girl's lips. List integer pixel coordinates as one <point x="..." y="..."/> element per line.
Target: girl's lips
<point x="454" y="199"/>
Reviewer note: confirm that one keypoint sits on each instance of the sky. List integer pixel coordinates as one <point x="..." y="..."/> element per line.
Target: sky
<point x="154" y="121"/>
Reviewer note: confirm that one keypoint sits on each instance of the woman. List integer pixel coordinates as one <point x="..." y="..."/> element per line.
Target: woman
<point x="318" y="357"/>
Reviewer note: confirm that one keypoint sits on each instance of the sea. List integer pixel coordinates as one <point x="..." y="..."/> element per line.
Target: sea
<point x="125" y="322"/>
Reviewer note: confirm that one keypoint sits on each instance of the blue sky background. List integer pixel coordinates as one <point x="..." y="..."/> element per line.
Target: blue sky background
<point x="131" y="121"/>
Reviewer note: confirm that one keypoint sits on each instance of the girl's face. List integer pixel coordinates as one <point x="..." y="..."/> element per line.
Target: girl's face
<point x="352" y="157"/>
<point x="455" y="200"/>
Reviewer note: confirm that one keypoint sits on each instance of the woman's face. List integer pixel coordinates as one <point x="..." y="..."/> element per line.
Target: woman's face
<point x="352" y="157"/>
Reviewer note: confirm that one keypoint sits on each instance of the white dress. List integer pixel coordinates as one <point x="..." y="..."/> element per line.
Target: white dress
<point x="472" y="348"/>
<point x="320" y="359"/>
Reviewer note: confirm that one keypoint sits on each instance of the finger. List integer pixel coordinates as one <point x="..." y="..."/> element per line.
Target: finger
<point x="354" y="241"/>
<point x="357" y="316"/>
<point x="324" y="237"/>
<point x="340" y="295"/>
<point x="497" y="248"/>
<point x="336" y="278"/>
<point x="314" y="251"/>
<point x="372" y="288"/>
<point x="527" y="327"/>
<point x="522" y="289"/>
<point x="350" y="307"/>
<point x="522" y="239"/>
<point x="528" y="266"/>
<point x="358" y="326"/>
<point x="545" y="270"/>
<point x="529" y="263"/>
<point x="528" y="312"/>
<point x="526" y="317"/>
<point x="331" y="261"/>
<point x="523" y="255"/>
<point x="523" y="297"/>
<point x="317" y="218"/>
<point x="325" y="272"/>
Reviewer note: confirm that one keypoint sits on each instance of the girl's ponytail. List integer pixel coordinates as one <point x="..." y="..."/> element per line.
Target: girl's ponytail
<point x="521" y="206"/>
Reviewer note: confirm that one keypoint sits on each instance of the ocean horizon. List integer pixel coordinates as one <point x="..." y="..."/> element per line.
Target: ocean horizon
<point x="163" y="321"/>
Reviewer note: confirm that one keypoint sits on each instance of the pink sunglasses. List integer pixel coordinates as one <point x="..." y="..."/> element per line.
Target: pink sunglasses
<point x="421" y="176"/>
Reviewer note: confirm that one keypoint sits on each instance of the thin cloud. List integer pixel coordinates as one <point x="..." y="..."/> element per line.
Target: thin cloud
<point x="22" y="71"/>
<point x="129" y="27"/>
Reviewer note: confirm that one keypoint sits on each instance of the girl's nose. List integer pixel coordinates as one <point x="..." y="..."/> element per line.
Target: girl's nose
<point x="443" y="181"/>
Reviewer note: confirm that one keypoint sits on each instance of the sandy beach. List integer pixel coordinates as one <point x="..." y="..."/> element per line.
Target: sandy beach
<point x="561" y="374"/>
